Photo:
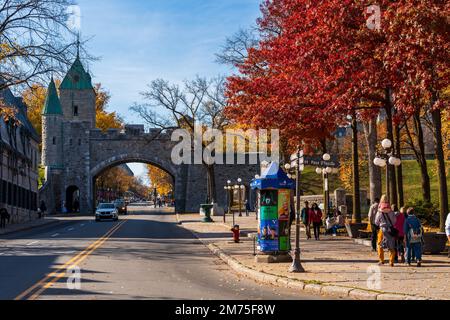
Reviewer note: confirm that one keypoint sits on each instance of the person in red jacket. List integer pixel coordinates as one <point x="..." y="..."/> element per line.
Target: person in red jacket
<point x="316" y="218"/>
<point x="399" y="225"/>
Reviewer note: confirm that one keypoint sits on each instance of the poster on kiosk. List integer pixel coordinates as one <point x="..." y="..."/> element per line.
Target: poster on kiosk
<point x="274" y="188"/>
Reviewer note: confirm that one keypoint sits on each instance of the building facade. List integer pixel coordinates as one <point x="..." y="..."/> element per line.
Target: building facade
<point x="19" y="160"/>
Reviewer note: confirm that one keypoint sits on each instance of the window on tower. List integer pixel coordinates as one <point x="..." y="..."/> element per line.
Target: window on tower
<point x="54" y="140"/>
<point x="75" y="111"/>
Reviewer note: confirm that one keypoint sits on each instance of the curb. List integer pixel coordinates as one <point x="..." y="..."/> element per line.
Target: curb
<point x="30" y="228"/>
<point x="307" y="286"/>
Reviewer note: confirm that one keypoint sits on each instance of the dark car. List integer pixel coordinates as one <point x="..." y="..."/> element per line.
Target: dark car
<point x="121" y="206"/>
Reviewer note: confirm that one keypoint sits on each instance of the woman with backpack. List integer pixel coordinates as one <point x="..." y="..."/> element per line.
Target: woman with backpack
<point x="387" y="235"/>
<point x="413" y="237"/>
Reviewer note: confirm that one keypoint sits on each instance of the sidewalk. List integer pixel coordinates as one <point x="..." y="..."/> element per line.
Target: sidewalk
<point x="12" y="228"/>
<point x="336" y="266"/>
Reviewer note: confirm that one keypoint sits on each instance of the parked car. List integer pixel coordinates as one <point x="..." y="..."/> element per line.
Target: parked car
<point x="121" y="206"/>
<point x="106" y="211"/>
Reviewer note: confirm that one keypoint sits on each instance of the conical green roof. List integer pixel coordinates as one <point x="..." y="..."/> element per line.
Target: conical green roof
<point x="52" y="104"/>
<point x="77" y="78"/>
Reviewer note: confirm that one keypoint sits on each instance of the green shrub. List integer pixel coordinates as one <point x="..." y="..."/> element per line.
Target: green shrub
<point x="427" y="212"/>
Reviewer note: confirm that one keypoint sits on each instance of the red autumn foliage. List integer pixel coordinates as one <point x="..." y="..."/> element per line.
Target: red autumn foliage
<point x="318" y="60"/>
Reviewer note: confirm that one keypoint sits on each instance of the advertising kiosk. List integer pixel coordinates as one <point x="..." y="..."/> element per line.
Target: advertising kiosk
<point x="274" y="190"/>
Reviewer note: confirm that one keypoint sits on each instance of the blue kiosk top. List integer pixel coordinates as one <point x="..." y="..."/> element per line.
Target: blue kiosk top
<point x="273" y="178"/>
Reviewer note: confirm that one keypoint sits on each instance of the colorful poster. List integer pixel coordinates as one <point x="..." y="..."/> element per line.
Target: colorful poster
<point x="283" y="228"/>
<point x="268" y="235"/>
<point x="285" y="244"/>
<point x="269" y="198"/>
<point x="269" y="213"/>
<point x="284" y="197"/>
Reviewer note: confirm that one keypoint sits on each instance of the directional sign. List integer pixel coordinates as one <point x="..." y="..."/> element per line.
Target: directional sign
<point x="319" y="162"/>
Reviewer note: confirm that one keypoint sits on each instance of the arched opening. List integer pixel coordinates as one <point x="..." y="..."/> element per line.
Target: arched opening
<point x="130" y="181"/>
<point x="73" y="199"/>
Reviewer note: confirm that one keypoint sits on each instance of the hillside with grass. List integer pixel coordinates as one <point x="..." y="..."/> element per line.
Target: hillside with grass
<point x="312" y="182"/>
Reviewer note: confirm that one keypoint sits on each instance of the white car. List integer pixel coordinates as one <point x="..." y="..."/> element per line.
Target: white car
<point x="106" y="211"/>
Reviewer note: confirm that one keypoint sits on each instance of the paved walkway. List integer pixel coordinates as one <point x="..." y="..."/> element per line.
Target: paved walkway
<point x="331" y="263"/>
<point x="11" y="228"/>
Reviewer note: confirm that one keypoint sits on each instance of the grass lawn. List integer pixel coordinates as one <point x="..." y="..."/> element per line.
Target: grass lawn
<point x="312" y="182"/>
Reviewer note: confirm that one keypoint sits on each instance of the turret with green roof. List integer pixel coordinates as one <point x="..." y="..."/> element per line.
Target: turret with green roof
<point x="77" y="78"/>
<point x="52" y="104"/>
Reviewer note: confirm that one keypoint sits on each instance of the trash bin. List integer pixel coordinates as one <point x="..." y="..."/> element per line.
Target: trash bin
<point x="206" y="210"/>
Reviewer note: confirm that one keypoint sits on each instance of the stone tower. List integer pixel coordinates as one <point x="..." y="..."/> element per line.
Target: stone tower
<point x="52" y="143"/>
<point x="66" y="124"/>
<point x="52" y="118"/>
<point x="78" y="95"/>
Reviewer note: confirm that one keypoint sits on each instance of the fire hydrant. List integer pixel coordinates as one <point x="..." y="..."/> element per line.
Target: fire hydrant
<point x="236" y="233"/>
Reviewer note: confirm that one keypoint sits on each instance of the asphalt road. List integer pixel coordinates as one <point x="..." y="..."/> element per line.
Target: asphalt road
<point x="145" y="255"/>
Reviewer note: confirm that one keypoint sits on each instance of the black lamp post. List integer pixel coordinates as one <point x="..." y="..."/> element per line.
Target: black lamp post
<point x="297" y="167"/>
<point x="228" y="188"/>
<point x="325" y="171"/>
<point x="384" y="159"/>
<point x="239" y="187"/>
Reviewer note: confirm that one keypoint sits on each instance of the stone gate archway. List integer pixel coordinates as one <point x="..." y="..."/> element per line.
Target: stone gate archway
<point x="123" y="159"/>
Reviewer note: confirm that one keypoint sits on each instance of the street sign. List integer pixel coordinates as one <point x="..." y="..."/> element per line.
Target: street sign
<point x="317" y="161"/>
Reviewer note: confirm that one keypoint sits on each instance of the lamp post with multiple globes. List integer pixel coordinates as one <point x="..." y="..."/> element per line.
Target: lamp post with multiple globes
<point x="384" y="160"/>
<point x="325" y="171"/>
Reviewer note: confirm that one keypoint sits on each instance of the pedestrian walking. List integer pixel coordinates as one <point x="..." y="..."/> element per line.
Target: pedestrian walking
<point x="4" y="216"/>
<point x="43" y="209"/>
<point x="399" y="225"/>
<point x="247" y="208"/>
<point x="316" y="218"/>
<point x="306" y="219"/>
<point x="387" y="235"/>
<point x="414" y="237"/>
<point x="374" y="228"/>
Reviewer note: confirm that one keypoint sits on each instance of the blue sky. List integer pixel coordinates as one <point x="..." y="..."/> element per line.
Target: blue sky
<point x="138" y="41"/>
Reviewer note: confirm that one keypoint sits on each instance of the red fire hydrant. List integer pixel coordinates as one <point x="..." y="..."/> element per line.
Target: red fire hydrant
<point x="236" y="233"/>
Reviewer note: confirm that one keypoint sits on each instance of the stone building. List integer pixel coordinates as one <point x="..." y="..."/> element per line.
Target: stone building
<point x="19" y="159"/>
<point x="75" y="153"/>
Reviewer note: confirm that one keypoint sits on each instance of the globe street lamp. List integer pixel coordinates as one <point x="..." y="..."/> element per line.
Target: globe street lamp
<point x="325" y="171"/>
<point x="239" y="187"/>
<point x="386" y="158"/>
<point x="228" y="189"/>
<point x="295" y="167"/>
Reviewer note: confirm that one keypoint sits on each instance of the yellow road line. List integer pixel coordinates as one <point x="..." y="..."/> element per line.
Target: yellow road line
<point x="61" y="271"/>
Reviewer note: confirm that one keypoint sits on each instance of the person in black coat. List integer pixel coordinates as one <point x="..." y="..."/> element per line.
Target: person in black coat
<point x="4" y="216"/>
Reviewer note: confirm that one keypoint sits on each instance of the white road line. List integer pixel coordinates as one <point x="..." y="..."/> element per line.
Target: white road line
<point x="82" y="225"/>
<point x="71" y="229"/>
<point x="31" y="243"/>
<point x="55" y="235"/>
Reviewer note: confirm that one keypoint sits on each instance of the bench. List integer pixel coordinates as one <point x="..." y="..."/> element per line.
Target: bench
<point x="365" y="233"/>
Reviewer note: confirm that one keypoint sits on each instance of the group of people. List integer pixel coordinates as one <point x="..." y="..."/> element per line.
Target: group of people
<point x="398" y="231"/>
<point x="313" y="217"/>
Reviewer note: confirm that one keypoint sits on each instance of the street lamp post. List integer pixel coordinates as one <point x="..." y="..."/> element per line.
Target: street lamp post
<point x="228" y="189"/>
<point x="325" y="171"/>
<point x="297" y="166"/>
<point x="257" y="200"/>
<point x="239" y="187"/>
<point x="384" y="159"/>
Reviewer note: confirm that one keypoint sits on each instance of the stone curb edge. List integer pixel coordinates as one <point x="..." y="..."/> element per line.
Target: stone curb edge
<point x="30" y="228"/>
<point x="317" y="289"/>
